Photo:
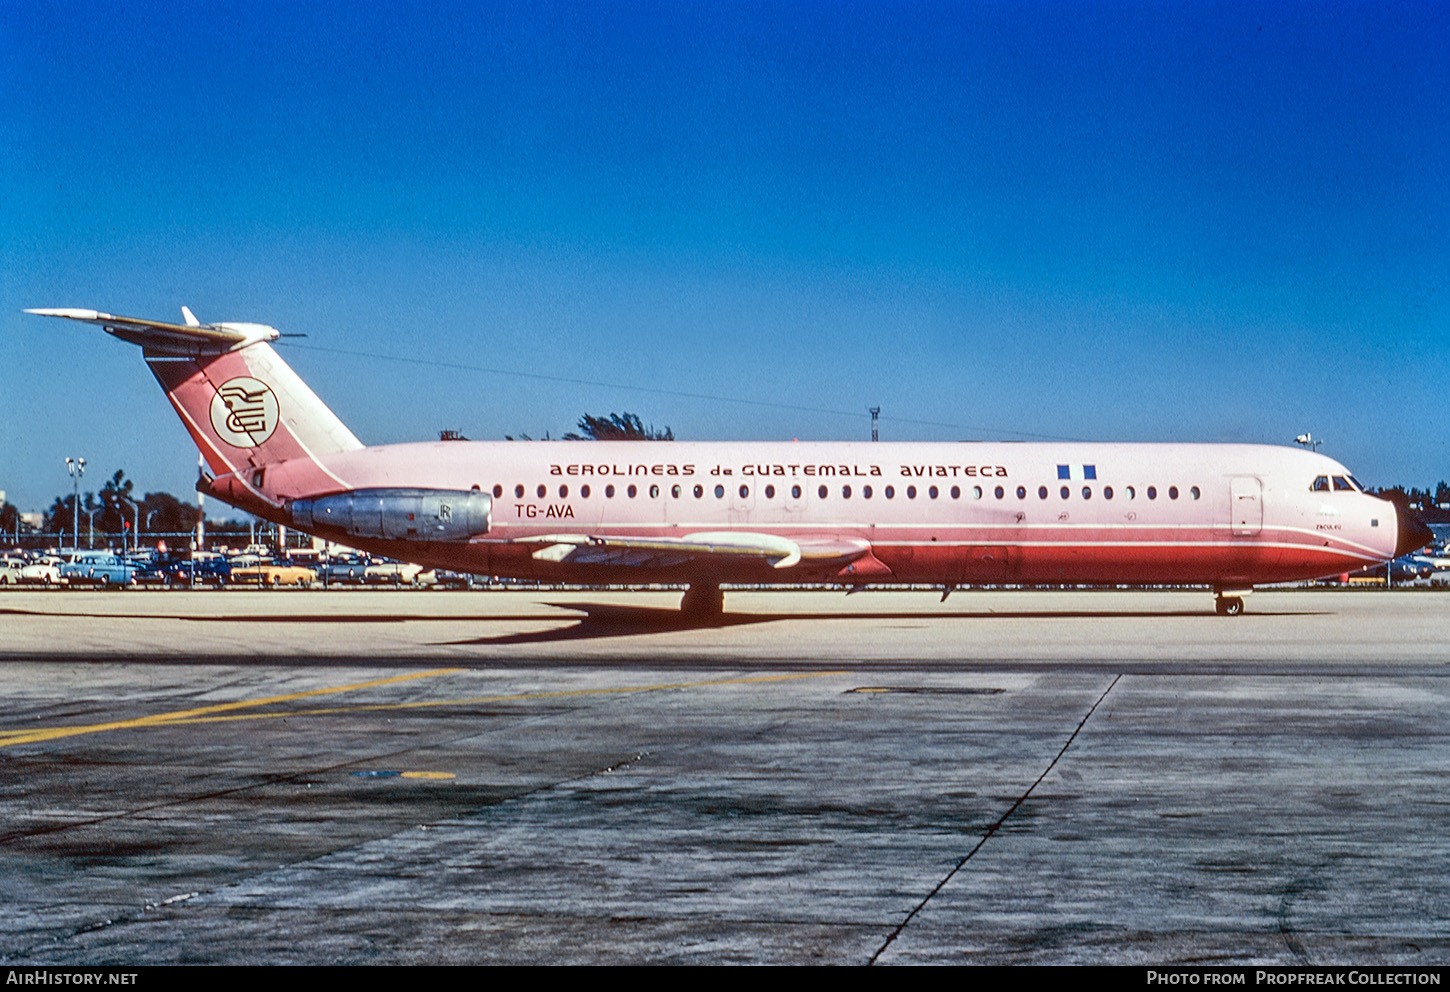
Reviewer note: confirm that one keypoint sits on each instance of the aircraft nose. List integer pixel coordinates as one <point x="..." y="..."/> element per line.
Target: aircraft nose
<point x="1413" y="534"/>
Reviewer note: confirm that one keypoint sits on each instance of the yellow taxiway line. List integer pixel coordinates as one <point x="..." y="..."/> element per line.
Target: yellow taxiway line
<point x="9" y="737"/>
<point x="210" y="714"/>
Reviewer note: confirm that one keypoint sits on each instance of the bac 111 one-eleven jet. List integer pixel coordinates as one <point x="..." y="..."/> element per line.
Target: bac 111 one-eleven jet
<point x="1227" y="516"/>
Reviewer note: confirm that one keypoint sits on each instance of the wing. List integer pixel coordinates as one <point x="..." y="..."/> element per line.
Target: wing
<point x="664" y="552"/>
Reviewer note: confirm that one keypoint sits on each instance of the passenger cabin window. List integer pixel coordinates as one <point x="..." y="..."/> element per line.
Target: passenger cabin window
<point x="1152" y="492"/>
<point x="519" y="491"/>
<point x="609" y="491"/>
<point x="542" y="490"/>
<point x="769" y="492"/>
<point x="497" y="491"/>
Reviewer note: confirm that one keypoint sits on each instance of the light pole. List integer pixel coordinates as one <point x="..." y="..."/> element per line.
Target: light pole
<point x="200" y="506"/>
<point x="77" y="468"/>
<point x="135" y="525"/>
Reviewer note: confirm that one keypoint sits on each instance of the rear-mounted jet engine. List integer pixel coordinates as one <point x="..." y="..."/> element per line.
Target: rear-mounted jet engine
<point x="398" y="514"/>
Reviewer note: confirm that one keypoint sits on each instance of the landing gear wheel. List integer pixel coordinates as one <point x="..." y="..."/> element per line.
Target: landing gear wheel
<point x="1229" y="606"/>
<point x="703" y="601"/>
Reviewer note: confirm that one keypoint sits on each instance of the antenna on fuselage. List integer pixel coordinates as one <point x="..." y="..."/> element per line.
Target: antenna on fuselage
<point x="1309" y="441"/>
<point x="875" y="413"/>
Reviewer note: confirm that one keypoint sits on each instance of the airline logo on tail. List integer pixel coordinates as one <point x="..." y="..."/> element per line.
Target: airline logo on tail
<point x="244" y="412"/>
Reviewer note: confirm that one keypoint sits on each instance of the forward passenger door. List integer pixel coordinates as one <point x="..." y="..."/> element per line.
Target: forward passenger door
<point x="1246" y="504"/>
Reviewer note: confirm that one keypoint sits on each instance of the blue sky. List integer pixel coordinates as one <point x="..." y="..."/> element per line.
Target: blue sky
<point x="1117" y="221"/>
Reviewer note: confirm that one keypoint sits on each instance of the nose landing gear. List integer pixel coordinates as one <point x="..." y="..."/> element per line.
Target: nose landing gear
<point x="1229" y="602"/>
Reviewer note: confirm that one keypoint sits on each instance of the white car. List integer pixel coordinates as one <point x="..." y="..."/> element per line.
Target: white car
<point x="10" y="569"/>
<point x="44" y="571"/>
<point x="396" y="572"/>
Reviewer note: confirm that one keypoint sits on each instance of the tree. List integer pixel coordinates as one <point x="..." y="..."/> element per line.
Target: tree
<point x="617" y="427"/>
<point x="164" y="513"/>
<point x="60" y="518"/>
<point x="10" y="521"/>
<point x="118" y="507"/>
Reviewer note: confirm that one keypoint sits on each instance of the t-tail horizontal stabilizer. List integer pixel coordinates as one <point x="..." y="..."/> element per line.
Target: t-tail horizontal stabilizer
<point x="160" y="337"/>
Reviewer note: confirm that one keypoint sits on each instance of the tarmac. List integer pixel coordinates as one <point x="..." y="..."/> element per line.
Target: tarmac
<point x="250" y="777"/>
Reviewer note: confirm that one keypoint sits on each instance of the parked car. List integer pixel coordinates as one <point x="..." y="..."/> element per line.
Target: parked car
<point x="396" y="572"/>
<point x="44" y="571"/>
<point x="150" y="567"/>
<point x="202" y="568"/>
<point x="101" y="568"/>
<point x="344" y="569"/>
<point x="277" y="572"/>
<point x="441" y="578"/>
<point x="10" y="569"/>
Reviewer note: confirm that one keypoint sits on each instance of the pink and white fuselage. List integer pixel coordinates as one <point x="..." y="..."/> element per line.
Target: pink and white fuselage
<point x="917" y="513"/>
<point x="1223" y="515"/>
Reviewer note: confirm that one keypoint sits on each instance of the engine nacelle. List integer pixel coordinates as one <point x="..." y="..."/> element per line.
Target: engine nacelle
<point x="398" y="514"/>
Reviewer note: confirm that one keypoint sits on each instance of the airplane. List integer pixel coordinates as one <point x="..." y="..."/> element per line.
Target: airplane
<point x="946" y="514"/>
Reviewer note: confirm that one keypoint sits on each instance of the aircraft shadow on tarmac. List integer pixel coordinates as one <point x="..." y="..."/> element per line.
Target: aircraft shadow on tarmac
<point x="603" y="620"/>
<point x="606" y="620"/>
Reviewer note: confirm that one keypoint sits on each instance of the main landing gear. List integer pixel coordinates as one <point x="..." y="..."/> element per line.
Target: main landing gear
<point x="703" y="601"/>
<point x="1229" y="602"/>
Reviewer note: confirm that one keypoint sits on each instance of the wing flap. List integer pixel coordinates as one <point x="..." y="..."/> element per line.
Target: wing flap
<point x="663" y="552"/>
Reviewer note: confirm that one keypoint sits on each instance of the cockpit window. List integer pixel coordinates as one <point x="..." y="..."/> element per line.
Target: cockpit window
<point x="1356" y="483"/>
<point x="1321" y="485"/>
<point x="1341" y="484"/>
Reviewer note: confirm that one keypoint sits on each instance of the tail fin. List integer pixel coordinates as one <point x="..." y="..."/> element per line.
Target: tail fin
<point x="242" y="404"/>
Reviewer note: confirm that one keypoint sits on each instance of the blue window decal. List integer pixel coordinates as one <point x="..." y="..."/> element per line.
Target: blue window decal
<point x="1089" y="471"/>
<point x="1063" y="472"/>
